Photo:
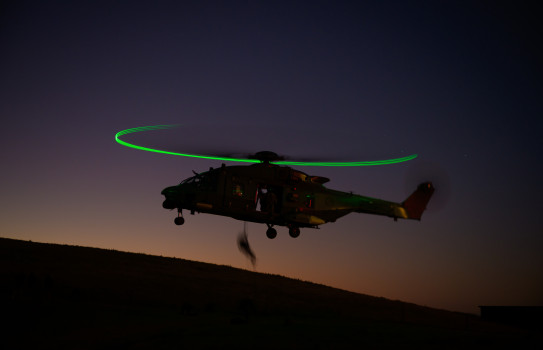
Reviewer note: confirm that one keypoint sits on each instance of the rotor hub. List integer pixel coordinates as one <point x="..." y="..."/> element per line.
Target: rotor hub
<point x="267" y="156"/>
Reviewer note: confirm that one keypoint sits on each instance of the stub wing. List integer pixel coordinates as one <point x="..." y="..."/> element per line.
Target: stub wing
<point x="411" y="208"/>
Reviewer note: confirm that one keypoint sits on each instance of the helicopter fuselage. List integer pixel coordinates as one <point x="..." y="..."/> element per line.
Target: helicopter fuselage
<point x="280" y="195"/>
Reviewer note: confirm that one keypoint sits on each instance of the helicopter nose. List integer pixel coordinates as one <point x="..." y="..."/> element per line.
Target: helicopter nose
<point x="172" y="190"/>
<point x="168" y="204"/>
<point x="169" y="193"/>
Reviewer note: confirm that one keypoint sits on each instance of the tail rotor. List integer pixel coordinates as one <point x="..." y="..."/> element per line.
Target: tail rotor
<point x="430" y="172"/>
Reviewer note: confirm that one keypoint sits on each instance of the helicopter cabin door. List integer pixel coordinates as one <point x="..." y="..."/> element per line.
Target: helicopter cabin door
<point x="238" y="195"/>
<point x="268" y="199"/>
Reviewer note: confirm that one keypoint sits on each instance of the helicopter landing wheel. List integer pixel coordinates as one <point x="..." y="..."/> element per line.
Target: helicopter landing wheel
<point x="179" y="220"/>
<point x="271" y="233"/>
<point x="294" y="232"/>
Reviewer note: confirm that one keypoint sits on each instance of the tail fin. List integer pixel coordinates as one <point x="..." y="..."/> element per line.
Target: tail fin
<point x="416" y="203"/>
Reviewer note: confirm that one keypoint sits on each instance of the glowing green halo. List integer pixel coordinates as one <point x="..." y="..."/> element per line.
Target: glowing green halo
<point x="331" y="164"/>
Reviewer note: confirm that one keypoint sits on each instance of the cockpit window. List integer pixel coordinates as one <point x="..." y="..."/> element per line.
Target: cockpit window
<point x="190" y="180"/>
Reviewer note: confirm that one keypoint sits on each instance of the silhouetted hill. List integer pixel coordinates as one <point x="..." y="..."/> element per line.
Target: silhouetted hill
<point x="58" y="296"/>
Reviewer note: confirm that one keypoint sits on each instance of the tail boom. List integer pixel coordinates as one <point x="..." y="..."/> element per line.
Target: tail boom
<point x="411" y="208"/>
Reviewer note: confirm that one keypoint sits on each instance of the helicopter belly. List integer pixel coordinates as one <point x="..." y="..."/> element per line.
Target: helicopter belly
<point x="307" y="219"/>
<point x="204" y="206"/>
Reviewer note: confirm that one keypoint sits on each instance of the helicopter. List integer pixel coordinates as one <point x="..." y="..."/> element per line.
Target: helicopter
<point x="277" y="195"/>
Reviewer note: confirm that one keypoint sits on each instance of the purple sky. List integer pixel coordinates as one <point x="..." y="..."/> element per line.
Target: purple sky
<point x="459" y="83"/>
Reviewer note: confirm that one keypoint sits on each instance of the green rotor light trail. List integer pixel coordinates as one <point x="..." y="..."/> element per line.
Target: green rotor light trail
<point x="228" y="159"/>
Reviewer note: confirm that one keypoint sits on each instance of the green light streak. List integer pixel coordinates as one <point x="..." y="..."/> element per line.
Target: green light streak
<point x="227" y="159"/>
<point x="160" y="127"/>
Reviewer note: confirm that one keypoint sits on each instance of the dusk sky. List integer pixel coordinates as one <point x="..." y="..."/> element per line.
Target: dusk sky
<point x="458" y="83"/>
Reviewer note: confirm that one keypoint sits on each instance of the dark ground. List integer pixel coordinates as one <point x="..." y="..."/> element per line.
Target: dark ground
<point x="57" y="296"/>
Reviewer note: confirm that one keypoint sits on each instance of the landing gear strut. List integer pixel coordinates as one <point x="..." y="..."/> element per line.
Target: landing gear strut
<point x="179" y="220"/>
<point x="271" y="232"/>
